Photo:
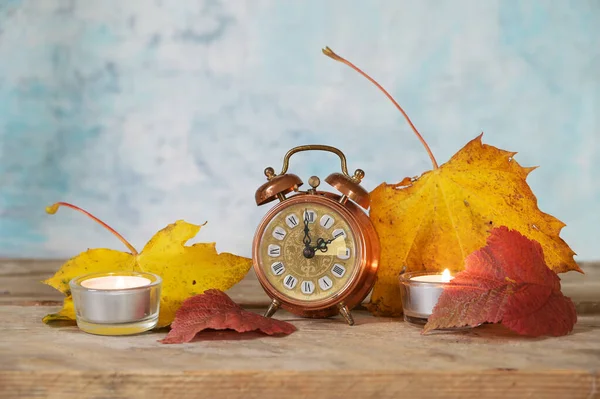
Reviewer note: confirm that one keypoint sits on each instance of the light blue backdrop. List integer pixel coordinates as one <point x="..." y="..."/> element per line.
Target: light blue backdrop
<point x="145" y="112"/>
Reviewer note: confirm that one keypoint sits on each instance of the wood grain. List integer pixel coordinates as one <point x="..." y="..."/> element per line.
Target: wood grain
<point x="20" y="284"/>
<point x="319" y="344"/>
<point x="377" y="358"/>
<point x="499" y="384"/>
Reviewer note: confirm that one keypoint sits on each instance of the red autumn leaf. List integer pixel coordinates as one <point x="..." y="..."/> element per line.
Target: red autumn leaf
<point x="506" y="281"/>
<point x="215" y="310"/>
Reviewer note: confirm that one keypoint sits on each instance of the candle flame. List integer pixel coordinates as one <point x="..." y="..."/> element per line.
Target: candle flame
<point x="446" y="276"/>
<point x="120" y="283"/>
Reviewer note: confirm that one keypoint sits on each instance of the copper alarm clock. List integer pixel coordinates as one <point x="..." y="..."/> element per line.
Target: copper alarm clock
<point x="315" y="252"/>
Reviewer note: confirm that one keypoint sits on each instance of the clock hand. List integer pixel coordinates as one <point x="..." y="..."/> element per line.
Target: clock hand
<point x="308" y="252"/>
<point x="306" y="239"/>
<point x="322" y="244"/>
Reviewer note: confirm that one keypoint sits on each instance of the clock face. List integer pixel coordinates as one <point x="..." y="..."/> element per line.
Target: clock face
<point x="308" y="252"/>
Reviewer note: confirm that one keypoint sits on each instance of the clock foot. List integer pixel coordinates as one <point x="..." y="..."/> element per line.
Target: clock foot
<point x="346" y="313"/>
<point x="272" y="308"/>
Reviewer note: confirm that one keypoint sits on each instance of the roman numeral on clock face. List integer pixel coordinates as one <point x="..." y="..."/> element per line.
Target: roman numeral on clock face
<point x="292" y="221"/>
<point x="309" y="215"/>
<point x="327" y="221"/>
<point x="278" y="268"/>
<point x="308" y="287"/>
<point x="339" y="233"/>
<point x="290" y="281"/>
<point x="338" y="270"/>
<point x="274" y="250"/>
<point x="343" y="253"/>
<point x="279" y="233"/>
<point x="325" y="283"/>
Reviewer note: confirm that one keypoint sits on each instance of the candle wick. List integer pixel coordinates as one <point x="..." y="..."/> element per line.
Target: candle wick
<point x="446" y="277"/>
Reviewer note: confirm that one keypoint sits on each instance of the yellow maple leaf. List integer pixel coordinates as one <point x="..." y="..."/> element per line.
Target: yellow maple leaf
<point x="438" y="220"/>
<point x="185" y="270"/>
<point x="66" y="314"/>
<point x="435" y="221"/>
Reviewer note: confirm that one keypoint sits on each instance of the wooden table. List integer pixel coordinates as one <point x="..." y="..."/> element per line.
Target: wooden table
<point x="377" y="358"/>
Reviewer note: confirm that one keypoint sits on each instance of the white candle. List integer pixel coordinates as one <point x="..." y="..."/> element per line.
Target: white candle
<point x="420" y="294"/>
<point x="115" y="282"/>
<point x="434" y="278"/>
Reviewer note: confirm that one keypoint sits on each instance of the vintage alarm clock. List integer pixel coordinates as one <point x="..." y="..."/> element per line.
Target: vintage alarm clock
<point x="315" y="252"/>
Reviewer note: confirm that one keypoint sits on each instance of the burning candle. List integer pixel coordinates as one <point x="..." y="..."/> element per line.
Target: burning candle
<point x="420" y="293"/>
<point x="115" y="282"/>
<point x="120" y="303"/>
<point x="445" y="277"/>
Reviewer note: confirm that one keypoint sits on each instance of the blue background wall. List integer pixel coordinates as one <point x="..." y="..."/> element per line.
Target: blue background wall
<point x="145" y="112"/>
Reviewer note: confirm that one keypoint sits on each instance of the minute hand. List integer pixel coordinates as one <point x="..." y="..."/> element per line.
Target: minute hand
<point x="306" y="239"/>
<point x="322" y="244"/>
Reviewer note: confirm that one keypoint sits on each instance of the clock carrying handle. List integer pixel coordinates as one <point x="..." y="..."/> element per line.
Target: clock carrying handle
<point x="278" y="185"/>
<point x="314" y="147"/>
<point x="348" y="185"/>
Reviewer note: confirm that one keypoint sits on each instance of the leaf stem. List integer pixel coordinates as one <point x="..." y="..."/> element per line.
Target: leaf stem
<point x="53" y="208"/>
<point x="331" y="54"/>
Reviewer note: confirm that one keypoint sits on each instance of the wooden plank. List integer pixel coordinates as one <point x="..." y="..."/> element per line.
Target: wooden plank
<point x="496" y="384"/>
<point x="319" y="344"/>
<point x="20" y="284"/>
<point x="377" y="358"/>
<point x="20" y="280"/>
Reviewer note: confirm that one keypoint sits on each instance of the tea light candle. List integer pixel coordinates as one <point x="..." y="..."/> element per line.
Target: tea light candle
<point x="434" y="278"/>
<point x="420" y="293"/>
<point x="121" y="303"/>
<point x="115" y="282"/>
